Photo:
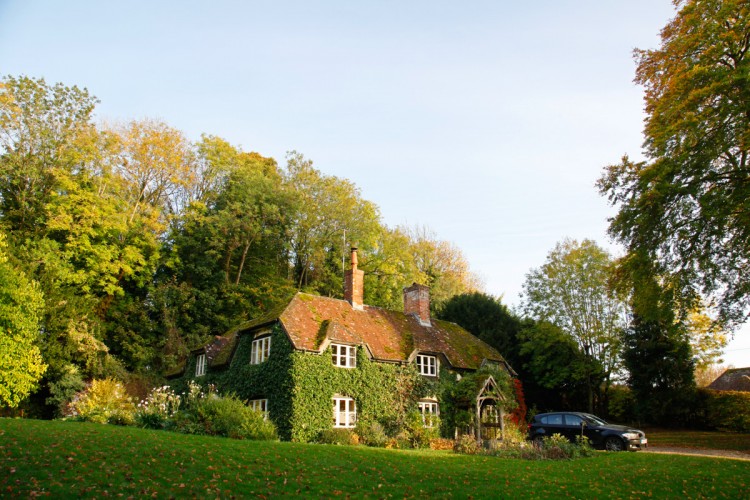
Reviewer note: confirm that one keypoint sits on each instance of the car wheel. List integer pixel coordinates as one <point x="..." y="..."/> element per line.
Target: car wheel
<point x="614" y="444"/>
<point x="538" y="441"/>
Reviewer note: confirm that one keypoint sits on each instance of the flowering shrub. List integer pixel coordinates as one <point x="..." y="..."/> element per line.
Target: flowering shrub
<point x="159" y="407"/>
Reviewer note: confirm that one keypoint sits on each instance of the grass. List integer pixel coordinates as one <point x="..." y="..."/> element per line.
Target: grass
<point x="70" y="459"/>
<point x="699" y="439"/>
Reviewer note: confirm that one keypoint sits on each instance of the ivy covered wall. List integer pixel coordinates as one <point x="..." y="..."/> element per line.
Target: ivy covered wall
<point x="300" y="386"/>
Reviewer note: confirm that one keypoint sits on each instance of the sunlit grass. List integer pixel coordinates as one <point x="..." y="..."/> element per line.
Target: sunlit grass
<point x="69" y="459"/>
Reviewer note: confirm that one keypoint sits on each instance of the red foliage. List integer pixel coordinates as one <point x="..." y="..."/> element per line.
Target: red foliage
<point x="518" y="416"/>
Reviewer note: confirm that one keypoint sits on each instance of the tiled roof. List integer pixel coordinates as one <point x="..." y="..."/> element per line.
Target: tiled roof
<point x="312" y="321"/>
<point x="734" y="379"/>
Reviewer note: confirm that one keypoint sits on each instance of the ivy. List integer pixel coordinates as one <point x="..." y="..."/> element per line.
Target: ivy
<point x="300" y="387"/>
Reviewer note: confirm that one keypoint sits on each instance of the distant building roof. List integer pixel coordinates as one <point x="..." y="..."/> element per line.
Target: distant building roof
<point x="734" y="379"/>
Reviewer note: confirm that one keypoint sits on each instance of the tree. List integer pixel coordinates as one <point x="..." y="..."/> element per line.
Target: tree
<point x="21" y="305"/>
<point x="656" y="345"/>
<point x="158" y="165"/>
<point x="488" y="318"/>
<point x="571" y="291"/>
<point x="556" y="373"/>
<point x="440" y="265"/>
<point x="227" y="256"/>
<point x="687" y="205"/>
<point x="659" y="361"/>
<point x="707" y="339"/>
<point x="327" y="207"/>
<point x="41" y="127"/>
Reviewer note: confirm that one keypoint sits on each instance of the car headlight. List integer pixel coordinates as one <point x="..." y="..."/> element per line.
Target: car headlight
<point x="630" y="435"/>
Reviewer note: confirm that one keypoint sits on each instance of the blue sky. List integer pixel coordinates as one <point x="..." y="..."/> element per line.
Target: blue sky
<point x="487" y="121"/>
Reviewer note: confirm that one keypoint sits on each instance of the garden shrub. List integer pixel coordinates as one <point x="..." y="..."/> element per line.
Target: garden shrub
<point x="557" y="447"/>
<point x="467" y="445"/>
<point x="338" y="437"/>
<point x="725" y="410"/>
<point x="441" y="444"/>
<point x="185" y="422"/>
<point x="372" y="434"/>
<point x="416" y="433"/>
<point x="229" y="417"/>
<point x="103" y="401"/>
<point x="64" y="389"/>
<point x="159" y="407"/>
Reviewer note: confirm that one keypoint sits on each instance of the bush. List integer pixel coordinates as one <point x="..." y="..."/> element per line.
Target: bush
<point x="228" y="416"/>
<point x="725" y="410"/>
<point x="557" y="447"/>
<point x="416" y="433"/>
<point x="441" y="444"/>
<point x="338" y="437"/>
<point x="372" y="434"/>
<point x="159" y="407"/>
<point x="621" y="405"/>
<point x="64" y="389"/>
<point x="467" y="445"/>
<point x="103" y="401"/>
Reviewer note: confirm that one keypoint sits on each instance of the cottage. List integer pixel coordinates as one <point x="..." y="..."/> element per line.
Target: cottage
<point x="319" y="363"/>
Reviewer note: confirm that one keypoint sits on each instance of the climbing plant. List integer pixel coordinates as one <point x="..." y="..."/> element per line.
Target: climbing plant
<point x="300" y="387"/>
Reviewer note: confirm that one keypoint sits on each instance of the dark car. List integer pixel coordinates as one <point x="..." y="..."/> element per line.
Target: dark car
<point x="601" y="434"/>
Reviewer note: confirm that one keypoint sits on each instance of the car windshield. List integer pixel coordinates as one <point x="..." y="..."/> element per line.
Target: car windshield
<point x="593" y="419"/>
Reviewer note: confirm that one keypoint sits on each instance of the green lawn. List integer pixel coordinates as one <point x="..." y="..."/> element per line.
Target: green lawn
<point x="69" y="459"/>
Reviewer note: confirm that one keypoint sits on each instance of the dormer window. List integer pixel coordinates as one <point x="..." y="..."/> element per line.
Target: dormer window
<point x="260" y="351"/>
<point x="200" y="365"/>
<point x="344" y="356"/>
<point x="427" y="365"/>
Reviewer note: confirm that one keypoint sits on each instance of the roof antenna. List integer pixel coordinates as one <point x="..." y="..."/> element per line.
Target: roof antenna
<point x="343" y="255"/>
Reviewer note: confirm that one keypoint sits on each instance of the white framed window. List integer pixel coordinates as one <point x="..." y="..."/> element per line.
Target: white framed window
<point x="344" y="355"/>
<point x="260" y="405"/>
<point x="200" y="365"/>
<point x="427" y="365"/>
<point x="344" y="412"/>
<point x="260" y="351"/>
<point x="430" y="412"/>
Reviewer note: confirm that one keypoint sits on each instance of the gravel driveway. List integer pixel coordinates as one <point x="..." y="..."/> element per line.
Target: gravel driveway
<point x="737" y="455"/>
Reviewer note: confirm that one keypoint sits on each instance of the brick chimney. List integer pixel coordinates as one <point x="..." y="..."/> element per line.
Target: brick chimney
<point x="417" y="301"/>
<point x="354" y="283"/>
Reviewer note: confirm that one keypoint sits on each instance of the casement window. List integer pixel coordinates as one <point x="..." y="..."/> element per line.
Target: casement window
<point x="344" y="412"/>
<point x="344" y="355"/>
<point x="427" y="365"/>
<point x="430" y="412"/>
<point x="260" y="351"/>
<point x="200" y="365"/>
<point x="260" y="405"/>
